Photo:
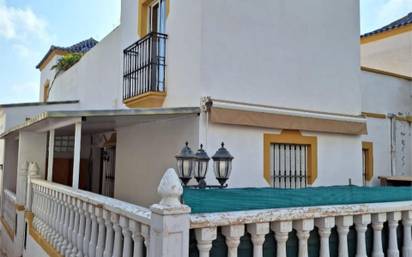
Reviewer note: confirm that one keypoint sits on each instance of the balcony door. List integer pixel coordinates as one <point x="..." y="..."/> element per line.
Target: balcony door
<point x="157" y="24"/>
<point x="157" y="16"/>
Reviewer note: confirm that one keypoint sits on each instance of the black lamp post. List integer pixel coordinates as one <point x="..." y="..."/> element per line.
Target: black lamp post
<point x="185" y="164"/>
<point x="222" y="164"/>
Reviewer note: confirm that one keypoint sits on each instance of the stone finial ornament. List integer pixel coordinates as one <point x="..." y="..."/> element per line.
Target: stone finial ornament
<point x="170" y="189"/>
<point x="33" y="169"/>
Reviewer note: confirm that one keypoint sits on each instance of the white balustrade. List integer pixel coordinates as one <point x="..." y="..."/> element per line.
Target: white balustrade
<point x="303" y="220"/>
<point x="9" y="209"/>
<point x="83" y="224"/>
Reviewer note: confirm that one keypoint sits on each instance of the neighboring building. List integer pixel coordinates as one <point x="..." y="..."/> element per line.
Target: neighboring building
<point x="389" y="49"/>
<point x="290" y="102"/>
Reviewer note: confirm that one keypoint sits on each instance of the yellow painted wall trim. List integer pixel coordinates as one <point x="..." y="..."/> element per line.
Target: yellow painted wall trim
<point x="8" y="229"/>
<point x="291" y="137"/>
<point x="143" y="15"/>
<point x="368" y="147"/>
<point x="20" y="207"/>
<point x="387" y="73"/>
<point x="49" y="57"/>
<point x="48" y="248"/>
<point x="386" y="34"/>
<point x="374" y="115"/>
<point x="146" y="100"/>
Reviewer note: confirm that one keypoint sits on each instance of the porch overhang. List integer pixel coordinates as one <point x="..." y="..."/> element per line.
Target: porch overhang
<point x="97" y="120"/>
<point x="233" y="113"/>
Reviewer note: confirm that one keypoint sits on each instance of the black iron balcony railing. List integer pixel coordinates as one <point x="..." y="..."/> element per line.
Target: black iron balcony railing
<point x="144" y="66"/>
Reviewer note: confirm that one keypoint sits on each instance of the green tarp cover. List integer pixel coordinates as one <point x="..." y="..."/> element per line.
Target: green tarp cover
<point x="225" y="200"/>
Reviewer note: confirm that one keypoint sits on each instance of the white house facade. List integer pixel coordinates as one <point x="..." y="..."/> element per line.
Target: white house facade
<point x="277" y="82"/>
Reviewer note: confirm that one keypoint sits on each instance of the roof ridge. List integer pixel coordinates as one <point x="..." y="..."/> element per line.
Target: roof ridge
<point x="403" y="21"/>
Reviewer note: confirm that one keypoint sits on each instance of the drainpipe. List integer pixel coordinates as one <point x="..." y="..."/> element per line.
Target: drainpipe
<point x="392" y="119"/>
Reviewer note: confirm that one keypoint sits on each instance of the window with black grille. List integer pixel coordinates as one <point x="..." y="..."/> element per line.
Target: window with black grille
<point x="289" y="165"/>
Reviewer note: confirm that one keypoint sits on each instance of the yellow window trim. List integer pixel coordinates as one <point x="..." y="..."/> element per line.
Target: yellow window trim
<point x="143" y="19"/>
<point x="146" y="100"/>
<point x="291" y="137"/>
<point x="386" y="34"/>
<point x="368" y="147"/>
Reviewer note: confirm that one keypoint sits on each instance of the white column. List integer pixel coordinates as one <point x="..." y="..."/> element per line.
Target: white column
<point x="303" y="228"/>
<point x="137" y="238"/>
<point x="204" y="238"/>
<point x="101" y="234"/>
<point x="233" y="234"/>
<point x="76" y="157"/>
<point x="343" y="223"/>
<point x="282" y="229"/>
<point x="393" y="220"/>
<point x="170" y="220"/>
<point x="324" y="228"/>
<point x="361" y="224"/>
<point x="377" y="224"/>
<point x="51" y="156"/>
<point x="407" y="239"/>
<point x="108" y="249"/>
<point x="258" y="232"/>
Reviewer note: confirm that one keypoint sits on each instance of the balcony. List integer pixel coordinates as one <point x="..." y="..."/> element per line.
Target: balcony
<point x="144" y="66"/>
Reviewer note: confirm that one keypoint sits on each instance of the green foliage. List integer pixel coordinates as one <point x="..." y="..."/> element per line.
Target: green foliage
<point x="67" y="61"/>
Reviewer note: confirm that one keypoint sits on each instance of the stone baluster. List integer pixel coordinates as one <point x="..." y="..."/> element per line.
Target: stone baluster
<point x="324" y="226"/>
<point x="117" y="244"/>
<point x="282" y="229"/>
<point x="80" y="231"/>
<point x="205" y="237"/>
<point x="53" y="214"/>
<point x="377" y="225"/>
<point x="101" y="233"/>
<point x="64" y="245"/>
<point x="343" y="223"/>
<point x="127" y="237"/>
<point x="61" y="221"/>
<point x="258" y="232"/>
<point x="76" y="223"/>
<point x="233" y="234"/>
<point x="70" y="247"/>
<point x="393" y="221"/>
<point x="407" y="239"/>
<point x="361" y="224"/>
<point x="57" y="237"/>
<point x="146" y="237"/>
<point x="47" y="213"/>
<point x="108" y="249"/>
<point x="303" y="228"/>
<point x="93" y="236"/>
<point x="137" y="238"/>
<point x="87" y="229"/>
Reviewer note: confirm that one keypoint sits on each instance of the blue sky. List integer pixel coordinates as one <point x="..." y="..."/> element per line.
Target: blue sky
<point x="29" y="27"/>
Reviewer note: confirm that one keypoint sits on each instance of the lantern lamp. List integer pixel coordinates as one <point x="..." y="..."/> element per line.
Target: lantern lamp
<point x="185" y="164"/>
<point x="200" y="165"/>
<point x="222" y="164"/>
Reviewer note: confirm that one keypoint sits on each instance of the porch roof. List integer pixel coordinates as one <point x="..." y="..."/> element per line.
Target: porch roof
<point x="97" y="120"/>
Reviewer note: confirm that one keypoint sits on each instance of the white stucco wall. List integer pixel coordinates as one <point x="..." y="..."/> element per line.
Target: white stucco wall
<point x="145" y="151"/>
<point x="33" y="249"/>
<point x="96" y="80"/>
<point x="47" y="75"/>
<point x="279" y="53"/>
<point x="339" y="156"/>
<point x="385" y="94"/>
<point x="393" y="54"/>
